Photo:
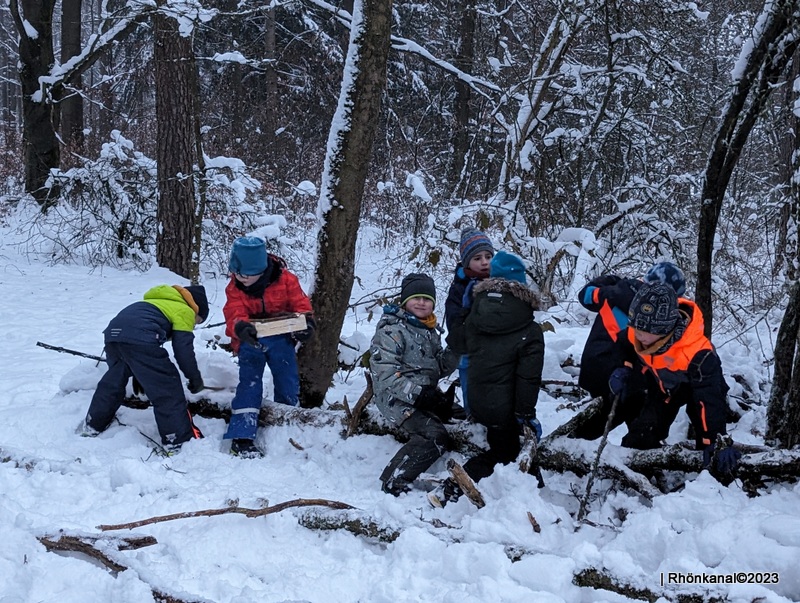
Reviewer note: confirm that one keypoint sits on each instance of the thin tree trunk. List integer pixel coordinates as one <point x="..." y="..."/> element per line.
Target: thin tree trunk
<point x="465" y="59"/>
<point x="350" y="145"/>
<point x="271" y="82"/>
<point x="786" y="376"/>
<point x="176" y="87"/>
<point x="772" y="50"/>
<point x="72" y="105"/>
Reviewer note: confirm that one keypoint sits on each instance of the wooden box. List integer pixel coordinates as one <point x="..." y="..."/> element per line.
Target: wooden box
<point x="277" y="326"/>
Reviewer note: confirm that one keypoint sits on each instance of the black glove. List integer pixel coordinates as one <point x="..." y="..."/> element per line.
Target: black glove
<point x="138" y="390"/>
<point x="196" y="385"/>
<point x="444" y="411"/>
<point x="246" y="332"/>
<point x="305" y="334"/>
<point x="430" y="398"/>
<point x="618" y="382"/>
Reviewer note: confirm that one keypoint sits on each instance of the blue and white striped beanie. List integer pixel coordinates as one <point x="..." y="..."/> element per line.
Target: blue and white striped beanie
<point x="473" y="241"/>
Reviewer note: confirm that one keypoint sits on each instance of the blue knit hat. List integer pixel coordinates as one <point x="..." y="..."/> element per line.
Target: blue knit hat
<point x="508" y="266"/>
<point x="473" y="241"/>
<point x="669" y="274"/>
<point x="248" y="256"/>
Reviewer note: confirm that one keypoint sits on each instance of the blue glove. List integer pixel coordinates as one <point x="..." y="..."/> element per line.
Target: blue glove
<point x="534" y="424"/>
<point x="724" y="464"/>
<point x="618" y="382"/>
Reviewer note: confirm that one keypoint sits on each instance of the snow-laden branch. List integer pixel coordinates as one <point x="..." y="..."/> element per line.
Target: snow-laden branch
<point x="97" y="44"/>
<point x="479" y="85"/>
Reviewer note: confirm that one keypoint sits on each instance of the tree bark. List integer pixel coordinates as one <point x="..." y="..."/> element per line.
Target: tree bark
<point x="72" y="103"/>
<point x="36" y="57"/>
<point x="349" y="148"/>
<point x="785" y="375"/>
<point x="465" y="59"/>
<point x="768" y="60"/>
<point x="176" y="88"/>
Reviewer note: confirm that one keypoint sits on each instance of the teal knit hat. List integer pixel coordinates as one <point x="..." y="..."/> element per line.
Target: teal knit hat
<point x="508" y="266"/>
<point x="248" y="256"/>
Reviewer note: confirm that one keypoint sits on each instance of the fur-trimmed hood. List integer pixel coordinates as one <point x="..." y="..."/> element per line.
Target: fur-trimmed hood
<point x="518" y="290"/>
<point x="502" y="306"/>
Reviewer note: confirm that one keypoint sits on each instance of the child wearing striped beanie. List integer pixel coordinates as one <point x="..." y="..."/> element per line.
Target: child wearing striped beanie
<point x="475" y="252"/>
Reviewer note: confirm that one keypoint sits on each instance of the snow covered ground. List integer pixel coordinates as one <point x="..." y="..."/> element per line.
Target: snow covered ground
<point x="51" y="480"/>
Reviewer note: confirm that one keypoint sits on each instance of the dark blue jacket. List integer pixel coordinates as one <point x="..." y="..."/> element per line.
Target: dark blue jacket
<point x="453" y="306"/>
<point x="143" y="323"/>
<point x="610" y="296"/>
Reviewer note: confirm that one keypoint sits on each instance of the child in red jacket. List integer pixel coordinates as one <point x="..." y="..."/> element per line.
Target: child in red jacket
<point x="261" y="287"/>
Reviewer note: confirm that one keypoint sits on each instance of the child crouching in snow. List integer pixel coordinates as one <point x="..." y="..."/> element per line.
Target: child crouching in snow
<point x="133" y="341"/>
<point x="406" y="362"/>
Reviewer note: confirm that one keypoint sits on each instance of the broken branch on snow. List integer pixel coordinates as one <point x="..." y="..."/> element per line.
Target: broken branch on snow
<point x="299" y="502"/>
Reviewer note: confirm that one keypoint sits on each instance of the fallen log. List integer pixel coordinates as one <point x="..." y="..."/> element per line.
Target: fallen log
<point x="631" y="468"/>
<point x="602" y="580"/>
<point x="467" y="438"/>
<point x="350" y="521"/>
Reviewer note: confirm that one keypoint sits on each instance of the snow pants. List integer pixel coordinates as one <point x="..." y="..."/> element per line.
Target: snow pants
<point x="161" y="381"/>
<point x="428" y="442"/>
<point x="277" y="352"/>
<point x="504" y="447"/>
<point x="658" y="413"/>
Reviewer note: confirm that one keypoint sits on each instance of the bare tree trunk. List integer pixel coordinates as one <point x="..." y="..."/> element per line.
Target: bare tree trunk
<point x="350" y="145"/>
<point x="784" y="404"/>
<point x="176" y="87"/>
<point x="772" y="50"/>
<point x="465" y="59"/>
<point x="787" y="248"/>
<point x="271" y="81"/>
<point x="72" y="104"/>
<point x="7" y="101"/>
<point x="36" y="59"/>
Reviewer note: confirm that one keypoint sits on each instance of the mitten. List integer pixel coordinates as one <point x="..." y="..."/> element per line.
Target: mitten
<point x="196" y="385"/>
<point x="305" y="334"/>
<point x="533" y="423"/>
<point x="728" y="461"/>
<point x="429" y="398"/>
<point x="618" y="382"/>
<point x="246" y="332"/>
<point x="722" y="464"/>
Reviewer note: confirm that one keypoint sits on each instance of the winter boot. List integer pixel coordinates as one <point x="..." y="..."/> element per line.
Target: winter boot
<point x="448" y="492"/>
<point x="246" y="449"/>
<point x="395" y="486"/>
<point x="85" y="431"/>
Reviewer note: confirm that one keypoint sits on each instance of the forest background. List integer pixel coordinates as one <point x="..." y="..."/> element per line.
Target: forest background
<point x="588" y="136"/>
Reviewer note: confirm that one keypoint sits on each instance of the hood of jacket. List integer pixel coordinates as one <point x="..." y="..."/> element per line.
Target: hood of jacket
<point x="502" y="306"/>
